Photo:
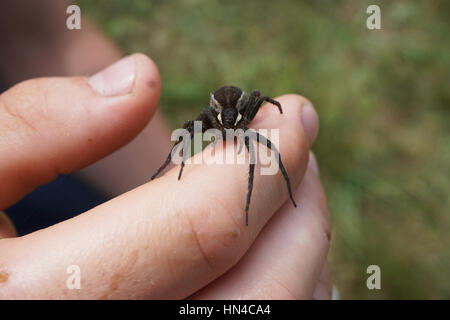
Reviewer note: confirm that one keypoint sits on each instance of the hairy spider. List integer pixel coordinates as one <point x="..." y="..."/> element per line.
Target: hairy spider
<point x="230" y="108"/>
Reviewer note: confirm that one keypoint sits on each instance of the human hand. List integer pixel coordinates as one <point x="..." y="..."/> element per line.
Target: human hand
<point x="167" y="238"/>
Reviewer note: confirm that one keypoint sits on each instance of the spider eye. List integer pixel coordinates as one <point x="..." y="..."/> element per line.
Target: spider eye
<point x="238" y="118"/>
<point x="219" y="117"/>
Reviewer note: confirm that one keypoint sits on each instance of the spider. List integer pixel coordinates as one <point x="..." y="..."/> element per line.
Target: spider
<point x="231" y="108"/>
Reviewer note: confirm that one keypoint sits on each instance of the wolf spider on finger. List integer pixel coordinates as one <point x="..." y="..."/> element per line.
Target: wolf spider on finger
<point x="230" y="108"/>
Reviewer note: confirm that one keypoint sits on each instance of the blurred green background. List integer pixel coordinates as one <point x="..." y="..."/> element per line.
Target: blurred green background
<point x="383" y="98"/>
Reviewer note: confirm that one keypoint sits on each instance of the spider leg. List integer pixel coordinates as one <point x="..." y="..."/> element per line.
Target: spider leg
<point x="258" y="103"/>
<point x="208" y="121"/>
<point x="255" y="102"/>
<point x="250" y="106"/>
<point x="251" y="173"/>
<point x="206" y="117"/>
<point x="213" y="123"/>
<point x="182" y="163"/>
<point x="168" y="159"/>
<point x="269" y="144"/>
<point x="272" y="101"/>
<point x="187" y="125"/>
<point x="240" y="138"/>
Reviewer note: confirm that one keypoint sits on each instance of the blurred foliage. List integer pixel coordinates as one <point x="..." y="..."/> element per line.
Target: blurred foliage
<point x="383" y="98"/>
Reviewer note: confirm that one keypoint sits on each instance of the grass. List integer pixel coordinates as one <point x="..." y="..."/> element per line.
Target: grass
<point x="382" y="96"/>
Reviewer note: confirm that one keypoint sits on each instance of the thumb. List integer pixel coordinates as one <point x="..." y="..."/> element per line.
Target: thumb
<point x="51" y="126"/>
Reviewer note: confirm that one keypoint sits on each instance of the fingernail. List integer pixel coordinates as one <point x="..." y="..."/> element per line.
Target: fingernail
<point x="310" y="121"/>
<point x="312" y="164"/>
<point x="115" y="80"/>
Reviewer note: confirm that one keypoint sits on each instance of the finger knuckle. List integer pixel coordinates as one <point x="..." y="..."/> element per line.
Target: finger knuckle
<point x="215" y="235"/>
<point x="26" y="104"/>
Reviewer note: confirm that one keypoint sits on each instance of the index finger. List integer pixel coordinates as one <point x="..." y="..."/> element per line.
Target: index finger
<point x="167" y="238"/>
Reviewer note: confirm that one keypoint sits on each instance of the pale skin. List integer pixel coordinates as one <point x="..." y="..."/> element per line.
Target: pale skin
<point x="165" y="238"/>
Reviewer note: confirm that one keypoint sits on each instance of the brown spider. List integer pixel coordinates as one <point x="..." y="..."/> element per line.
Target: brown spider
<point x="230" y="108"/>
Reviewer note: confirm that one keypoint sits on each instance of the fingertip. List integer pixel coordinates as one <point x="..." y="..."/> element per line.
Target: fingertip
<point x="310" y="121"/>
<point x="147" y="87"/>
<point x="312" y="164"/>
<point x="295" y="103"/>
<point x="125" y="114"/>
<point x="293" y="141"/>
<point x="148" y="77"/>
<point x="131" y="84"/>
